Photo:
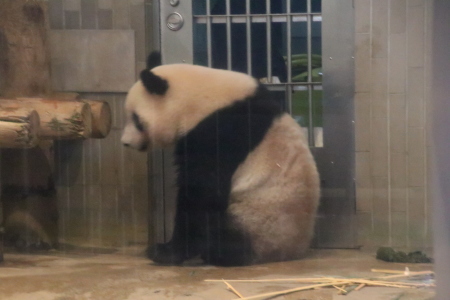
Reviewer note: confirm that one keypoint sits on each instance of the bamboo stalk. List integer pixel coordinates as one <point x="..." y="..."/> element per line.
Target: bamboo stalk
<point x="284" y="292"/>
<point x="385" y="283"/>
<point x="411" y="274"/>
<point x="387" y="271"/>
<point x="344" y="292"/>
<point x="335" y="281"/>
<point x="277" y="280"/>
<point x="349" y="288"/>
<point x="331" y="282"/>
<point x="230" y="287"/>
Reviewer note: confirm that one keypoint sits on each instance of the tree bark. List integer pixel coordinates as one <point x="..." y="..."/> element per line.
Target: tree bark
<point x="59" y="119"/>
<point x="19" y="128"/>
<point x="24" y="51"/>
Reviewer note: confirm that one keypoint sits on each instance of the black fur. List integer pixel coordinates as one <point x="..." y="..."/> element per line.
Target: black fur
<point x="137" y="122"/>
<point x="153" y="83"/>
<point x="207" y="158"/>
<point x="154" y="60"/>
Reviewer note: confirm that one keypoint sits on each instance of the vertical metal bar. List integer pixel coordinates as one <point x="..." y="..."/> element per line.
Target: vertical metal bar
<point x="289" y="98"/>
<point x="311" y="117"/>
<point x="310" y="100"/>
<point x="309" y="40"/>
<point x="208" y="32"/>
<point x="269" y="42"/>
<point x="289" y="56"/>
<point x="229" y="54"/>
<point x="289" y="42"/>
<point x="249" y="37"/>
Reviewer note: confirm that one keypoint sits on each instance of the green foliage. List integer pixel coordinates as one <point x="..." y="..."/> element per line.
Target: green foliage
<point x="299" y="67"/>
<point x="390" y="255"/>
<point x="300" y="107"/>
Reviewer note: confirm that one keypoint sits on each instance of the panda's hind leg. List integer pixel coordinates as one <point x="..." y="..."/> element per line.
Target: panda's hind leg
<point x="228" y="247"/>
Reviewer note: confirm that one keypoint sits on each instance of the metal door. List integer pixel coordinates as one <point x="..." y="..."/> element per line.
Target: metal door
<point x="303" y="51"/>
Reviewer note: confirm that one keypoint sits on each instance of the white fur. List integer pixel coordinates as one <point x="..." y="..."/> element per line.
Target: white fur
<point x="194" y="93"/>
<point x="275" y="193"/>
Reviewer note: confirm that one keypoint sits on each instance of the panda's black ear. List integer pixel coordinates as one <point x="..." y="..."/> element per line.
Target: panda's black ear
<point x="153" y="83"/>
<point x="154" y="60"/>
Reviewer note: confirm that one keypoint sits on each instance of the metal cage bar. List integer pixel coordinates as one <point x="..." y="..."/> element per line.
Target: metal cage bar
<point x="228" y="24"/>
<point x="289" y="43"/>
<point x="289" y="98"/>
<point x="249" y="37"/>
<point x="310" y="100"/>
<point x="208" y="32"/>
<point x="289" y="57"/>
<point x="269" y="42"/>
<point x="311" y="137"/>
<point x="258" y="18"/>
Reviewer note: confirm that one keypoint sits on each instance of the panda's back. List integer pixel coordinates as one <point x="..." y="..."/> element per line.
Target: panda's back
<point x="275" y="193"/>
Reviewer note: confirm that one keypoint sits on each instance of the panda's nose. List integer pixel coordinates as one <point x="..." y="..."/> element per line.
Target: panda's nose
<point x="126" y="144"/>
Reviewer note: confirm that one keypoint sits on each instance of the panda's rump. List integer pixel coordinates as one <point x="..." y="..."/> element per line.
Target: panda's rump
<point x="275" y="193"/>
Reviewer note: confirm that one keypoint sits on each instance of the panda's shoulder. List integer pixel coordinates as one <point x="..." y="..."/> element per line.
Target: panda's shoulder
<point x="194" y="72"/>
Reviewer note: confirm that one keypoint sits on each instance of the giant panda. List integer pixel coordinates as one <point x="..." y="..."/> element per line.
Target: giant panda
<point x="248" y="187"/>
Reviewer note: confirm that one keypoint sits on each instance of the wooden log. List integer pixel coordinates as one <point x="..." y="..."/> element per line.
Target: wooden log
<point x="59" y="119"/>
<point x="101" y="118"/>
<point x="101" y="113"/>
<point x="19" y="127"/>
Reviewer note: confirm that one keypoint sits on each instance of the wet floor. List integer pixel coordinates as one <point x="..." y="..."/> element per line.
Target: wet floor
<point x="127" y="275"/>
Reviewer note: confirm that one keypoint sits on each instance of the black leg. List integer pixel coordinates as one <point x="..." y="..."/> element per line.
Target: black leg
<point x="225" y="245"/>
<point x="183" y="244"/>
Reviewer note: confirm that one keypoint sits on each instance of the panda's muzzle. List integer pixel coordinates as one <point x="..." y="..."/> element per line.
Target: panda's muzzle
<point x="143" y="147"/>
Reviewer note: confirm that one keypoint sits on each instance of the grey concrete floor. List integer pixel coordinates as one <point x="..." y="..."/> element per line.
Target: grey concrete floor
<point x="127" y="275"/>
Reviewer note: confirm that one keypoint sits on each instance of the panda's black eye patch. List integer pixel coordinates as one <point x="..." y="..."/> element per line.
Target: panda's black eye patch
<point x="137" y="122"/>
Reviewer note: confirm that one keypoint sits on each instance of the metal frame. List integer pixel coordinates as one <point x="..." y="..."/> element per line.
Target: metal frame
<point x="176" y="47"/>
<point x="336" y="227"/>
<point x="440" y="146"/>
<point x="336" y="223"/>
<point x="268" y="18"/>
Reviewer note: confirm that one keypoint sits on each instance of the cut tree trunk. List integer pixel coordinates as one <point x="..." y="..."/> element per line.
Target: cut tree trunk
<point x="24" y="52"/>
<point x="101" y="113"/>
<point x="19" y="127"/>
<point x="59" y="119"/>
<point x="101" y="118"/>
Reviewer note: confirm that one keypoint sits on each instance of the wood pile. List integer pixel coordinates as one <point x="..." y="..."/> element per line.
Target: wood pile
<point x="26" y="121"/>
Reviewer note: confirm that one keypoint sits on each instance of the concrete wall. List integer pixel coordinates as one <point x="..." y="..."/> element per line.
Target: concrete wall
<point x="102" y="187"/>
<point x="391" y="103"/>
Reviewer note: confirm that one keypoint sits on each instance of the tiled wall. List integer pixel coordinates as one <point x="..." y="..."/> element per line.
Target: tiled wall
<point x="102" y="15"/>
<point x="391" y="102"/>
<point x="102" y="187"/>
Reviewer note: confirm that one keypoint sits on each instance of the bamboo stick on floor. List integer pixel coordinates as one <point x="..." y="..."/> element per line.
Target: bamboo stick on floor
<point x="284" y="292"/>
<point x="230" y="287"/>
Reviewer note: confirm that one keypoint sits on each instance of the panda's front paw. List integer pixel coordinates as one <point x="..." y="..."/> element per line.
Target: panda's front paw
<point x="165" y="254"/>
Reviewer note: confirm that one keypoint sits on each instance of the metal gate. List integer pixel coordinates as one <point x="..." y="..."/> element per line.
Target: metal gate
<point x="303" y="51"/>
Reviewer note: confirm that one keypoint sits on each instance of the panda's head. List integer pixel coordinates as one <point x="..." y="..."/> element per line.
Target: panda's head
<point x="170" y="100"/>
